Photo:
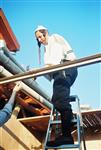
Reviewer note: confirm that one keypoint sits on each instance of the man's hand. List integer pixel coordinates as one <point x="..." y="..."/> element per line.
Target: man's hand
<point x="18" y="86"/>
<point x="48" y="65"/>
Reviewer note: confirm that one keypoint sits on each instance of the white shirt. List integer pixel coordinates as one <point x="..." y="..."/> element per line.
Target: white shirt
<point x="57" y="49"/>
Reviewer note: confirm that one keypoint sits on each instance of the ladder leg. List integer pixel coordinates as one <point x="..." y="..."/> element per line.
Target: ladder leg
<point x="48" y="134"/>
<point x="81" y="127"/>
<point x="83" y="138"/>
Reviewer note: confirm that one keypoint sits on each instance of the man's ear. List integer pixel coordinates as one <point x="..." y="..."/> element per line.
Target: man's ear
<point x="46" y="33"/>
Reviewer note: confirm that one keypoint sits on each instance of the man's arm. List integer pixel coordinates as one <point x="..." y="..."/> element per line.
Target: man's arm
<point x="6" y="112"/>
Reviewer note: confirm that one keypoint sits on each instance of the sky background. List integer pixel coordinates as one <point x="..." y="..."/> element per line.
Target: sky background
<point x="77" y="21"/>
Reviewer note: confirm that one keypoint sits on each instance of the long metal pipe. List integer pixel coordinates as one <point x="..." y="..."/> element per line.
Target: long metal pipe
<point x="8" y="54"/>
<point x="46" y="70"/>
<point x="27" y="89"/>
<point x="12" y="67"/>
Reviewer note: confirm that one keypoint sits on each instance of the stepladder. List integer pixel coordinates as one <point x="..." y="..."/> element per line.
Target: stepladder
<point x="77" y="126"/>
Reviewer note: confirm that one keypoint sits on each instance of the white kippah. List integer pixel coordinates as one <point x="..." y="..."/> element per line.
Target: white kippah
<point x="40" y="27"/>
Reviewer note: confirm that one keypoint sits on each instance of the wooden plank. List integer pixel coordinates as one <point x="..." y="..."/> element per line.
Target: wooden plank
<point x="7" y="33"/>
<point x="38" y="123"/>
<point x="17" y="137"/>
<point x="28" y="106"/>
<point x="34" y="119"/>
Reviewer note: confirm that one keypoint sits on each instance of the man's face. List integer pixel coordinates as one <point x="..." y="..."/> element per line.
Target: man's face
<point x="41" y="38"/>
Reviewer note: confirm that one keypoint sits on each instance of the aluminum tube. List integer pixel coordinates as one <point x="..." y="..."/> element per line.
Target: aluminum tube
<point x="12" y="67"/>
<point x="43" y="71"/>
<point x="8" y="54"/>
<point x="27" y="89"/>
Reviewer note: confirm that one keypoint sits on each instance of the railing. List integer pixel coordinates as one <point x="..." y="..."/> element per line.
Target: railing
<point x="46" y="70"/>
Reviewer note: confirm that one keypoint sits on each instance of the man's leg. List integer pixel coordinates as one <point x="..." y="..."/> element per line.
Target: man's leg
<point x="60" y="100"/>
<point x="66" y="117"/>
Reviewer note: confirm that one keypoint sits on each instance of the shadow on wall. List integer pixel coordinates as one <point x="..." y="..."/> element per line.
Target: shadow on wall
<point x="1" y="148"/>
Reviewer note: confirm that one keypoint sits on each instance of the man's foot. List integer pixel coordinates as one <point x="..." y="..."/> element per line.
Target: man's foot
<point x="61" y="140"/>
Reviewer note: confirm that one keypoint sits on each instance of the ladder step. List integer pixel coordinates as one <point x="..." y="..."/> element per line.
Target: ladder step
<point x="63" y="146"/>
<point x="59" y="121"/>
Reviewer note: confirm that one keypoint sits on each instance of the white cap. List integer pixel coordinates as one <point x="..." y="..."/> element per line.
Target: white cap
<point x="40" y="27"/>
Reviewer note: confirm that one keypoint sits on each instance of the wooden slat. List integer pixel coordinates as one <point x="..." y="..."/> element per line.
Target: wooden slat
<point x="38" y="123"/>
<point x="92" y="118"/>
<point x="14" y="136"/>
<point x="28" y="107"/>
<point x="34" y="119"/>
<point x="35" y="101"/>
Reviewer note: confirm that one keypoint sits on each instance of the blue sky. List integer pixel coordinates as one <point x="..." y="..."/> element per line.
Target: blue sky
<point x="78" y="21"/>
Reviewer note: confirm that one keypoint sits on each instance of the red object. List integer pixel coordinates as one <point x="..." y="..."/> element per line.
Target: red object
<point x="7" y="34"/>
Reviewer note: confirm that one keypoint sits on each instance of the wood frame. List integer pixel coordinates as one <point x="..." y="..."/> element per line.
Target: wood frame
<point x="7" y="33"/>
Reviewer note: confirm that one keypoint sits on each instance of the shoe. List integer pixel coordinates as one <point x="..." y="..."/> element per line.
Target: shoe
<point x="61" y="140"/>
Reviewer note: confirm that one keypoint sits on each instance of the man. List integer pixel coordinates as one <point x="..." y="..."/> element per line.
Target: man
<point x="57" y="50"/>
<point x="6" y="112"/>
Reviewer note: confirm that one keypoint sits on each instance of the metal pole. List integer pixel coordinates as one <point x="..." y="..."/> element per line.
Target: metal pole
<point x="46" y="70"/>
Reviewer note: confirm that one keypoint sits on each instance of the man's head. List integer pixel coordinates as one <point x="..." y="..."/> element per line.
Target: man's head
<point x="41" y="34"/>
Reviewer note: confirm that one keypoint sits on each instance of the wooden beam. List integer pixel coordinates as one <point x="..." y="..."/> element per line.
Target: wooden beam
<point x="28" y="107"/>
<point x="35" y="101"/>
<point x="34" y="119"/>
<point x="38" y="123"/>
<point x="14" y="136"/>
<point x="7" y="33"/>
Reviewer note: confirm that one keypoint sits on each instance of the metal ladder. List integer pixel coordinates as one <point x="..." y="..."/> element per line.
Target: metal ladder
<point x="55" y="122"/>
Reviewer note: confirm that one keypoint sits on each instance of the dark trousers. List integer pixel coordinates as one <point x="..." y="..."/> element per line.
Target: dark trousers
<point x="63" y="81"/>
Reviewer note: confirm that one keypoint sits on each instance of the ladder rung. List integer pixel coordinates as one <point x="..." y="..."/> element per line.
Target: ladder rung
<point x="59" y="121"/>
<point x="64" y="146"/>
